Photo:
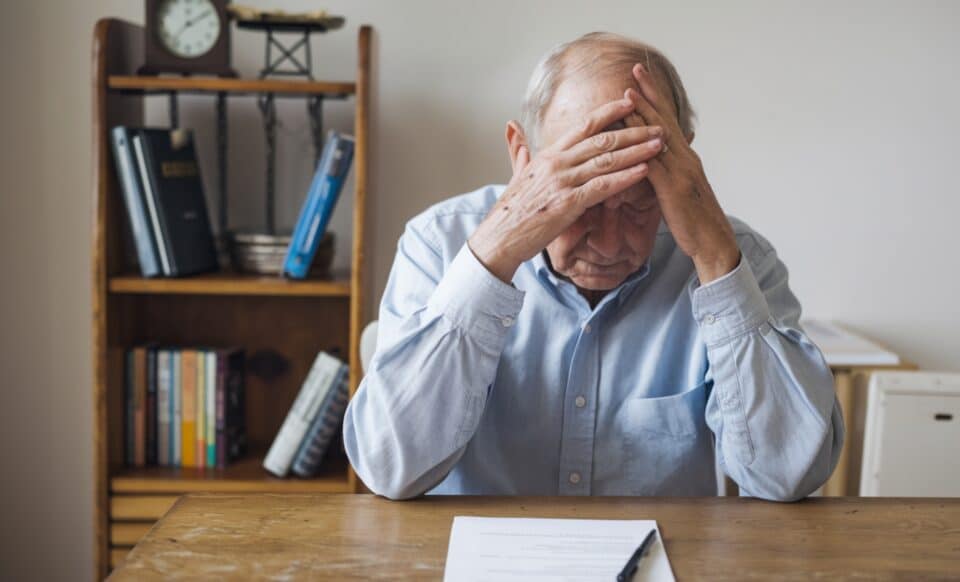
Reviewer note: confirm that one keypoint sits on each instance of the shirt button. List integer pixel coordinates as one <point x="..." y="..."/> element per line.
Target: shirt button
<point x="587" y="328"/>
<point x="574" y="477"/>
<point x="507" y="321"/>
<point x="580" y="401"/>
<point x="709" y="319"/>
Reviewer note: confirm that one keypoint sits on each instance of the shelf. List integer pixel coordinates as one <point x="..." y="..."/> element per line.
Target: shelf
<point x="244" y="476"/>
<point x="146" y="84"/>
<point x="231" y="284"/>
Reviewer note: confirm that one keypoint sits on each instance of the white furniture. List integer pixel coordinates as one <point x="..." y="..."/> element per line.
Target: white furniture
<point x="368" y="344"/>
<point x="912" y="440"/>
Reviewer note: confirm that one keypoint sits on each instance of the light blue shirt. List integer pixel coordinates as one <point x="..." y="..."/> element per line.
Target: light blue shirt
<point x="480" y="387"/>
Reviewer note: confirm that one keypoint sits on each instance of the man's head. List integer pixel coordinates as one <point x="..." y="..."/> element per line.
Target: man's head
<point x="612" y="240"/>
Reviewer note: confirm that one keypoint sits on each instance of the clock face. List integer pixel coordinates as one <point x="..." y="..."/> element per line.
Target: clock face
<point x="188" y="28"/>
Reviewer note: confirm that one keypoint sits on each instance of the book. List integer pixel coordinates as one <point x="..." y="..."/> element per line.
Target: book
<point x="140" y="406"/>
<point x="176" y="418"/>
<point x="843" y="348"/>
<point x="201" y="452"/>
<point x="325" y="426"/>
<point x="134" y="202"/>
<point x="176" y="205"/>
<point x="130" y="408"/>
<point x="210" y="423"/>
<point x="188" y="426"/>
<point x="163" y="407"/>
<point x="151" y="409"/>
<point x="318" y="206"/>
<point x="287" y="442"/>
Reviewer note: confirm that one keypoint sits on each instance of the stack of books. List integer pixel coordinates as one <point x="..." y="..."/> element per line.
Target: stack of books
<point x="313" y="420"/>
<point x="163" y="194"/>
<point x="184" y="407"/>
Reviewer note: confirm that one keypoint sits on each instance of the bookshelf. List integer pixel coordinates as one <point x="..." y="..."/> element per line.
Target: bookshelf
<point x="280" y="322"/>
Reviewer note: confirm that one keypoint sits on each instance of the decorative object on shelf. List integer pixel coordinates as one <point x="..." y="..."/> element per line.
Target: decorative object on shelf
<point x="274" y="22"/>
<point x="187" y="37"/>
<point x="299" y="57"/>
<point x="264" y="254"/>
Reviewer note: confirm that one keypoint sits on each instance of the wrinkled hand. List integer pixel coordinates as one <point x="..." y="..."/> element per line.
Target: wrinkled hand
<point x="686" y="199"/>
<point x="550" y="192"/>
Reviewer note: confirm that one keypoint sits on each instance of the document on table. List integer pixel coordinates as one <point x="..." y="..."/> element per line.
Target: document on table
<point x="501" y="549"/>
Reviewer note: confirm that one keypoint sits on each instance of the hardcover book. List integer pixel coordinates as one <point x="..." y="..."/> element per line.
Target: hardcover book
<point x="318" y="207"/>
<point x="285" y="445"/>
<point x="324" y="427"/>
<point x="176" y="205"/>
<point x="134" y="201"/>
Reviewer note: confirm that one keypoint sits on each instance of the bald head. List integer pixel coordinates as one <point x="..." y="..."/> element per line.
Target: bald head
<point x="589" y="58"/>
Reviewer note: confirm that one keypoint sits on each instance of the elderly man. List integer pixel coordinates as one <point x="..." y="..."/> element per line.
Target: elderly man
<point x="597" y="326"/>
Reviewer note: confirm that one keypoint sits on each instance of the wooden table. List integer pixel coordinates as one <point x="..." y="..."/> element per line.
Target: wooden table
<point x="333" y="537"/>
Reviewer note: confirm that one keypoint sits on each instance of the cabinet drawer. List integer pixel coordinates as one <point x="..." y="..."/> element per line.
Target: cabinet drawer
<point x="117" y="554"/>
<point x="140" y="507"/>
<point x="128" y="533"/>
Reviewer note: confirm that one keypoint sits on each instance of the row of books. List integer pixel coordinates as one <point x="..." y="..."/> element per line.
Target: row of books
<point x="312" y="422"/>
<point x="184" y="407"/>
<point x="163" y="194"/>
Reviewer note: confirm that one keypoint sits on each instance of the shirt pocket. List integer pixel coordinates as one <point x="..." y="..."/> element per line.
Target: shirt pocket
<point x="679" y="415"/>
<point x="667" y="445"/>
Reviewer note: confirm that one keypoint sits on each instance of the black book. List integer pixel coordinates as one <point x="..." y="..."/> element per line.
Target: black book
<point x="167" y="162"/>
<point x="151" y="411"/>
<point x="231" y="407"/>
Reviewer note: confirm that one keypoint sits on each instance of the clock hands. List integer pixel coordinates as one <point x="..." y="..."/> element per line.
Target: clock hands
<point x="191" y="22"/>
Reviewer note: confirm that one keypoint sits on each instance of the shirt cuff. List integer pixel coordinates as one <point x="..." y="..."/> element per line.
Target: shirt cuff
<point x="729" y="306"/>
<point x="472" y="298"/>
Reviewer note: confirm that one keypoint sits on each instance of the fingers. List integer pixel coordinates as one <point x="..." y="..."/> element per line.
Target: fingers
<point x="595" y="122"/>
<point x="648" y="89"/>
<point x="609" y="141"/>
<point x="611" y="162"/>
<point x="598" y="189"/>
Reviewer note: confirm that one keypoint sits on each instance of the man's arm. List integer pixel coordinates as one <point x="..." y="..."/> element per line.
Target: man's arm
<point x="778" y="425"/>
<point x="442" y="331"/>
<point x="440" y="336"/>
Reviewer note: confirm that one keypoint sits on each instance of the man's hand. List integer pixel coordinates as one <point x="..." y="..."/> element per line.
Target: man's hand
<point x="550" y="192"/>
<point x="689" y="205"/>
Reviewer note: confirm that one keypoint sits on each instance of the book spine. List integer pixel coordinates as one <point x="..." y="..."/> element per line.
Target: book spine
<point x="318" y="207"/>
<point x="201" y="454"/>
<point x="163" y="407"/>
<point x="176" y="428"/>
<point x="221" y="415"/>
<point x="287" y="442"/>
<point x="210" y="390"/>
<point x="130" y="403"/>
<point x="134" y="202"/>
<point x="140" y="406"/>
<point x="151" y="452"/>
<point x="156" y="217"/>
<point x="188" y="430"/>
<point x="323" y="429"/>
<point x="236" y="410"/>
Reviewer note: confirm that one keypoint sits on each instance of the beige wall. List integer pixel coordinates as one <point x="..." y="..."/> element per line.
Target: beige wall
<point x="831" y="127"/>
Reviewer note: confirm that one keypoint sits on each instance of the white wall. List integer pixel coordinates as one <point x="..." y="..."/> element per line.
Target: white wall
<point x="828" y="126"/>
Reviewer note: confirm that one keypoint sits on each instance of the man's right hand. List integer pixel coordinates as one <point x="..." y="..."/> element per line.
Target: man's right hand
<point x="550" y="192"/>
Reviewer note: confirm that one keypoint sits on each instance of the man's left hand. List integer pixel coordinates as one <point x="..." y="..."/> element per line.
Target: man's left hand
<point x="686" y="199"/>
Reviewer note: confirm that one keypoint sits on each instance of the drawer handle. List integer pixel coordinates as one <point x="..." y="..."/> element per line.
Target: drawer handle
<point x="943" y="416"/>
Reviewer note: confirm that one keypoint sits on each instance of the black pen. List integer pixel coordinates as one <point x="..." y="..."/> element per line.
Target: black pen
<point x="631" y="567"/>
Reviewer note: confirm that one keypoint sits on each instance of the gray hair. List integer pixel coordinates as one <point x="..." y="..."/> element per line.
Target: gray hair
<point x="598" y="52"/>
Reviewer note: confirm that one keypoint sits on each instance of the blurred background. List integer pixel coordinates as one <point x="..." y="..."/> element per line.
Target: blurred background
<point x="829" y="127"/>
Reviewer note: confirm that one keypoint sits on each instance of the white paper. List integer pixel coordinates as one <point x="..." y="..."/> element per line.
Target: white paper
<point x="493" y="549"/>
<point x="843" y="348"/>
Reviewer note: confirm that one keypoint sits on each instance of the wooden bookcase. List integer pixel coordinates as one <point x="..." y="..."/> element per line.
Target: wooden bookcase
<point x="295" y="319"/>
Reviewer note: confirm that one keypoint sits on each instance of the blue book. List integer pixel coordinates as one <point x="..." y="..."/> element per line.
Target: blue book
<point x="325" y="426"/>
<point x="133" y="198"/>
<point x="317" y="208"/>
